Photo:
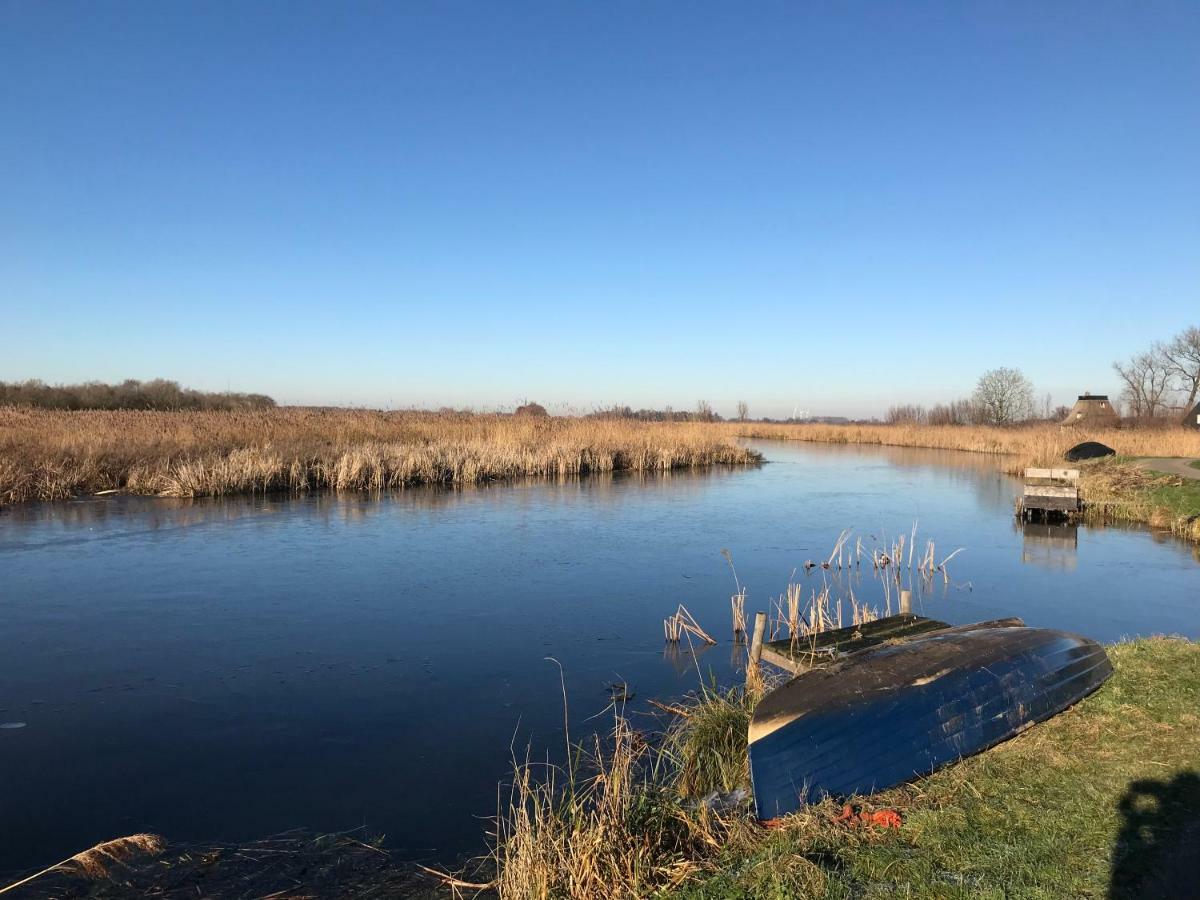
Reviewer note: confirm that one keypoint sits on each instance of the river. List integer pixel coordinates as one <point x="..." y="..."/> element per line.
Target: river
<point x="229" y="669"/>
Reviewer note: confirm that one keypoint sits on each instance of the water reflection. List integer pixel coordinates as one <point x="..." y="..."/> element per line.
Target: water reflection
<point x="684" y="656"/>
<point x="1050" y="546"/>
<point x="115" y="515"/>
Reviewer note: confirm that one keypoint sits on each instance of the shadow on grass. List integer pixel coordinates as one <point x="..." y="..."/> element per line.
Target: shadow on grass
<point x="1158" y="850"/>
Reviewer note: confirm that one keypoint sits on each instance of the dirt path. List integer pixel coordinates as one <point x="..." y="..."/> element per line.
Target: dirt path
<point x="1178" y="467"/>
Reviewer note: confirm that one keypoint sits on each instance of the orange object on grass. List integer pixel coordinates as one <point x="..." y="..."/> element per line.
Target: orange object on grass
<point x="881" y="818"/>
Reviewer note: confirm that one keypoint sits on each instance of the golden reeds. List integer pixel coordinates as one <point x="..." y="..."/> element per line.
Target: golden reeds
<point x="738" y="607"/>
<point x="1034" y="445"/>
<point x="737" y="602"/>
<point x="682" y="622"/>
<point x="50" y="455"/>
<point x="616" y="832"/>
<point x="97" y="862"/>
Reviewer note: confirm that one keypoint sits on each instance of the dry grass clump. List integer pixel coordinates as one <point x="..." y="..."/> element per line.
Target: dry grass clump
<point x="98" y="862"/>
<point x="618" y="832"/>
<point x="632" y="817"/>
<point x="50" y="455"/>
<point x="707" y="746"/>
<point x="667" y="818"/>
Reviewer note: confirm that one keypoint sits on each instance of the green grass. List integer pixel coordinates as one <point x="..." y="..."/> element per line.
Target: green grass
<point x="1116" y="489"/>
<point x="709" y="747"/>
<point x="1195" y="464"/>
<point x="1037" y="816"/>
<point x="1179" y="500"/>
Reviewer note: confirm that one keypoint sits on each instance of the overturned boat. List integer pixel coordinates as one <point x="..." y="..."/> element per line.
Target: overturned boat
<point x="910" y="704"/>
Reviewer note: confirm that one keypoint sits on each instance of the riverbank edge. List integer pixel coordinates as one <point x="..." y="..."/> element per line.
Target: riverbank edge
<point x="1114" y="489"/>
<point x="1093" y="802"/>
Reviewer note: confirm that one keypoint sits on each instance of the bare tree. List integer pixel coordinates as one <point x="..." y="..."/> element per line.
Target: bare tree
<point x="906" y="414"/>
<point x="704" y="411"/>
<point x="1182" y="356"/>
<point x="957" y="412"/>
<point x="743" y="410"/>
<point x="1003" y="396"/>
<point x="1147" y="379"/>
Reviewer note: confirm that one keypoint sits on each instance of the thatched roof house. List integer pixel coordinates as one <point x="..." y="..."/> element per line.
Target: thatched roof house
<point x="1092" y="410"/>
<point x="531" y="409"/>
<point x="1192" y="419"/>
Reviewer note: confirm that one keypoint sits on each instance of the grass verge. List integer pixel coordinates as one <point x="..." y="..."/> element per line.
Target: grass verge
<point x="1100" y="801"/>
<point x="1117" y="489"/>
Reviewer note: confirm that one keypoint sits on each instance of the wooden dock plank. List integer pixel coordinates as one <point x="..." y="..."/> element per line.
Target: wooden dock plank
<point x="1053" y="474"/>
<point x="1050" y="490"/>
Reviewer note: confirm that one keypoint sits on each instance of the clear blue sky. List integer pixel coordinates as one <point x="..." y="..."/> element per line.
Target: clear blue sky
<point x="836" y="205"/>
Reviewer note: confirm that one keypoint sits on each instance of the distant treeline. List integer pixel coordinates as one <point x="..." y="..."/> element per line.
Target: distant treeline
<point x="703" y="413"/>
<point x="965" y="412"/>
<point x="129" y="394"/>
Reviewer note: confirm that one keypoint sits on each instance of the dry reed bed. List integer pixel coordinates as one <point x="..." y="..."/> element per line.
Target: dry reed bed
<point x="1038" y="445"/>
<point x="50" y="455"/>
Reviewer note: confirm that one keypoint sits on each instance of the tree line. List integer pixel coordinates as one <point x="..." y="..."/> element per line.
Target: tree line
<point x="1002" y="396"/>
<point x="1164" y="380"/>
<point x="702" y="413"/>
<point x="129" y="394"/>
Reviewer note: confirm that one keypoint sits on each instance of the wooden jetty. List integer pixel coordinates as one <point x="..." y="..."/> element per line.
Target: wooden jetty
<point x="1049" y="494"/>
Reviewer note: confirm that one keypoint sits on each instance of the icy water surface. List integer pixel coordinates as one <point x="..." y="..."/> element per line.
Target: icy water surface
<point x="231" y="669"/>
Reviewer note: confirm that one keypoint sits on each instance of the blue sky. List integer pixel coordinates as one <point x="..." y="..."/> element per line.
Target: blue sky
<point x="831" y="205"/>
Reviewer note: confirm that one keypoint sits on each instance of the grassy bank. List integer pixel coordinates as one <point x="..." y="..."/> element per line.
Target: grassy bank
<point x="1115" y="489"/>
<point x="50" y="455"/>
<point x="1106" y="794"/>
<point x="1121" y="491"/>
<point x="1100" y="801"/>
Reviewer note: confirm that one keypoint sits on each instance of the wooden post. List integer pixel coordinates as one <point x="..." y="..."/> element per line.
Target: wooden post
<point x="754" y="681"/>
<point x="760" y="629"/>
<point x="905" y="602"/>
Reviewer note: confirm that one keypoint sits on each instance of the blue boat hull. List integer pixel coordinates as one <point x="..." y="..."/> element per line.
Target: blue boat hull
<point x="893" y="713"/>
